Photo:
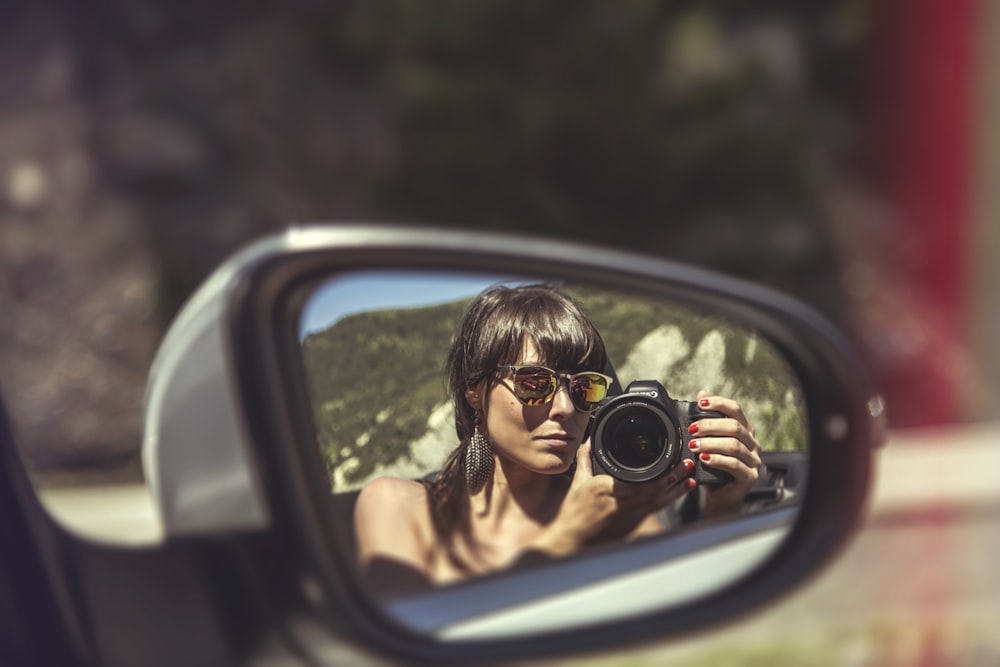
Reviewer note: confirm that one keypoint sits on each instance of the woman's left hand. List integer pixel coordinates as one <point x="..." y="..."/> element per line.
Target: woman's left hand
<point x="728" y="445"/>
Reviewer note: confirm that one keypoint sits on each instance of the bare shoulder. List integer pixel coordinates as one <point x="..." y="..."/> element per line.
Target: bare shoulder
<point x="392" y="525"/>
<point x="392" y="494"/>
<point x="392" y="518"/>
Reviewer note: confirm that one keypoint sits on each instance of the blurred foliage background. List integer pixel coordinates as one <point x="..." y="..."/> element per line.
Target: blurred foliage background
<point x="142" y="141"/>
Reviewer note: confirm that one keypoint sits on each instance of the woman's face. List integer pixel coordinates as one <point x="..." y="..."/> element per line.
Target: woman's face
<point x="541" y="438"/>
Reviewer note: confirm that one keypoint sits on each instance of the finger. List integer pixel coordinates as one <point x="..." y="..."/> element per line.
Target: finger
<point x="630" y="491"/>
<point x="654" y="488"/>
<point x="682" y="488"/>
<point x="584" y="468"/>
<point x="678" y="473"/>
<point x="667" y="495"/>
<point x="654" y="498"/>
<point x="705" y="429"/>
<point x="747" y="451"/>
<point x="726" y="406"/>
<point x="742" y="473"/>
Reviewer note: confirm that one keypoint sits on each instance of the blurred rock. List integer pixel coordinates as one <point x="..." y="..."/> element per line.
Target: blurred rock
<point x="27" y="185"/>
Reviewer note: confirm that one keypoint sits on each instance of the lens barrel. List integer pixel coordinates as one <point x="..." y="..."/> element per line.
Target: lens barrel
<point x="634" y="438"/>
<point x="637" y="438"/>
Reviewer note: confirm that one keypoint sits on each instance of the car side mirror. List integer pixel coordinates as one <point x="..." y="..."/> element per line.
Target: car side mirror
<point x="312" y="363"/>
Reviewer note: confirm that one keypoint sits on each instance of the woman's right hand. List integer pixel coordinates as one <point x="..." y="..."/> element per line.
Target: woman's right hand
<point x="599" y="507"/>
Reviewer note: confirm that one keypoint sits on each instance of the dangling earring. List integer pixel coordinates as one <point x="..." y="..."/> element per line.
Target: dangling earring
<point x="478" y="460"/>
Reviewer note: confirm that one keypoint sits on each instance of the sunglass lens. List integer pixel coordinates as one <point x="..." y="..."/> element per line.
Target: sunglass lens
<point x="587" y="390"/>
<point x="534" y="385"/>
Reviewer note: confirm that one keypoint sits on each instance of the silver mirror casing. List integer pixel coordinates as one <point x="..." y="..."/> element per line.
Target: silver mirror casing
<point x="228" y="446"/>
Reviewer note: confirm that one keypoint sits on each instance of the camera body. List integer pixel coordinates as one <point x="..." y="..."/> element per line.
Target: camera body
<point x="639" y="435"/>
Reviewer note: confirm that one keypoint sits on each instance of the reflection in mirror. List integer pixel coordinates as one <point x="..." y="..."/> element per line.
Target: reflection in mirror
<point x="692" y="423"/>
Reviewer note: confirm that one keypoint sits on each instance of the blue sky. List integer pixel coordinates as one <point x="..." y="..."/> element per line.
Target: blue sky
<point x="362" y="291"/>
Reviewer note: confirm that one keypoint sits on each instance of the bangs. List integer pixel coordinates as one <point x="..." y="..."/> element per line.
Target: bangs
<point x="563" y="337"/>
<point x="567" y="348"/>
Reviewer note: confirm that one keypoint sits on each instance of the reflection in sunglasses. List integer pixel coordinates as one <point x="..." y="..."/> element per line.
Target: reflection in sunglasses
<point x="536" y="385"/>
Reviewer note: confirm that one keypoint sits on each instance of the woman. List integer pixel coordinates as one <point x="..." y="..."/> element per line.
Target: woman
<point x="525" y="374"/>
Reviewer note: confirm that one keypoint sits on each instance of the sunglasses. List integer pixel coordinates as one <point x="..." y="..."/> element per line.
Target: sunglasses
<point x="535" y="385"/>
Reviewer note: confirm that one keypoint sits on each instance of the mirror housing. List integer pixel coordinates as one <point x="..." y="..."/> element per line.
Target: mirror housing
<point x="229" y="447"/>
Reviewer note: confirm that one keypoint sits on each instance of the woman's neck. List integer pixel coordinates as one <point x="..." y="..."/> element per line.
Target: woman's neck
<point x="519" y="495"/>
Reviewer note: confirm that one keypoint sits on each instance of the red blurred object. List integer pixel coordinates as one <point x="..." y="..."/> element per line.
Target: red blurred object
<point x="921" y="90"/>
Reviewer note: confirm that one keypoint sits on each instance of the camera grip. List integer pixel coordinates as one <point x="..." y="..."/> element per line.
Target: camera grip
<point x="708" y="476"/>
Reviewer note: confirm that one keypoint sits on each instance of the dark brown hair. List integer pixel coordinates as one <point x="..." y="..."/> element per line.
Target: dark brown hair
<point x="492" y="333"/>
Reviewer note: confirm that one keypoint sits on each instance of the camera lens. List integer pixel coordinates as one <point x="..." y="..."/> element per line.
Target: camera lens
<point x="636" y="438"/>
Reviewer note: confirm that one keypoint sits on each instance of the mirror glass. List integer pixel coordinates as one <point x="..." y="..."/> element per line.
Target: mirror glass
<point x="375" y="347"/>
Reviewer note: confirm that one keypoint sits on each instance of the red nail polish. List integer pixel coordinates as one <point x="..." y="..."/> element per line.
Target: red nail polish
<point x="694" y="445"/>
<point x="688" y="464"/>
<point x="690" y="483"/>
<point x="692" y="429"/>
<point x="704" y="402"/>
<point x="705" y="456"/>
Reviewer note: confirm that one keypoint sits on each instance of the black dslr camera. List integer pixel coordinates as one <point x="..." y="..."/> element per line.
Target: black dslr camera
<point x="639" y="435"/>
